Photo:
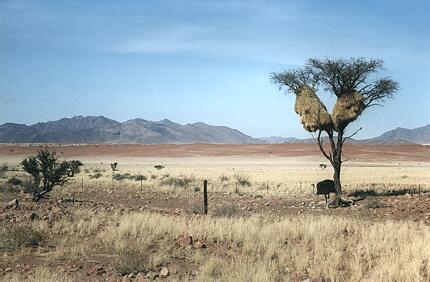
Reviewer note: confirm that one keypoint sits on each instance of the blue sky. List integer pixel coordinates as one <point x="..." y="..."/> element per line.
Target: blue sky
<point x="207" y="61"/>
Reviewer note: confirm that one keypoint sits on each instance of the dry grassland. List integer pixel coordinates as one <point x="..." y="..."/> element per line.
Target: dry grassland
<point x="251" y="245"/>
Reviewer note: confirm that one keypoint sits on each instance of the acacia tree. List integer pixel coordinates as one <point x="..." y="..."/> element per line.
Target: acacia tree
<point x="47" y="171"/>
<point x="353" y="82"/>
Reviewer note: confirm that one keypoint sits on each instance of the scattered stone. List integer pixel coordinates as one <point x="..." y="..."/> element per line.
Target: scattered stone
<point x="185" y="241"/>
<point x="151" y="275"/>
<point x="96" y="270"/>
<point x="8" y="269"/>
<point x="33" y="216"/>
<point x="12" y="204"/>
<point x="164" y="272"/>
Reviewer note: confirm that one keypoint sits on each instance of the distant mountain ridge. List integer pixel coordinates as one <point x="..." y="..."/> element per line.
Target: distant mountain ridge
<point x="100" y="130"/>
<point x="419" y="135"/>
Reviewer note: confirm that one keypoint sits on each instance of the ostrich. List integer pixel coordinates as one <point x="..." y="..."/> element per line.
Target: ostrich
<point x="324" y="187"/>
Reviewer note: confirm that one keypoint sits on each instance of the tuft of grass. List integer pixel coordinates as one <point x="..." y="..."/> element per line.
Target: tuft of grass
<point x="242" y="179"/>
<point x="17" y="236"/>
<point x="131" y="259"/>
<point x="224" y="178"/>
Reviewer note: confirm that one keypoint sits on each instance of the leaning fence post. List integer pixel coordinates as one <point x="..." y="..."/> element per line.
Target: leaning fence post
<point x="205" y="196"/>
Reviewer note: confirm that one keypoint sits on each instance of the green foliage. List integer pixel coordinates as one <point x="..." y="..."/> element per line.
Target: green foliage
<point x="140" y="177"/>
<point x="48" y="172"/>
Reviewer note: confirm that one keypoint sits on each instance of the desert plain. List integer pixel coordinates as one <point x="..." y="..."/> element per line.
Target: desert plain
<point x="263" y="224"/>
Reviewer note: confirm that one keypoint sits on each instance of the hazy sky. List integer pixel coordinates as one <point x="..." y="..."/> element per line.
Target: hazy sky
<point x="204" y="61"/>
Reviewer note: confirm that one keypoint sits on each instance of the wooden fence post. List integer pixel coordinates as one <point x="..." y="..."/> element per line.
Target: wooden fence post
<point x="205" y="196"/>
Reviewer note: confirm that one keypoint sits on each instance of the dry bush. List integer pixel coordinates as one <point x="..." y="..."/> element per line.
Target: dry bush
<point x="179" y="181"/>
<point x="17" y="236"/>
<point x="242" y="179"/>
<point x="131" y="259"/>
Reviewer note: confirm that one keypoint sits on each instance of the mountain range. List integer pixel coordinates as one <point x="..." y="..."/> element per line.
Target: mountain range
<point x="102" y="130"/>
<point x="419" y="135"/>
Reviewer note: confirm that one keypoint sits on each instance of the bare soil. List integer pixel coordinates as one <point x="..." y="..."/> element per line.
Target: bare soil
<point x="354" y="152"/>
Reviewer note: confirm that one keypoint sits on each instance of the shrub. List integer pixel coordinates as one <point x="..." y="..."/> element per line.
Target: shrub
<point x="224" y="178"/>
<point x="124" y="176"/>
<point x="47" y="171"/>
<point x="140" y="177"/>
<point x="242" y="179"/>
<point x="180" y="181"/>
<point x="14" y="237"/>
<point x="14" y="181"/>
<point x="131" y="260"/>
<point x="96" y="175"/>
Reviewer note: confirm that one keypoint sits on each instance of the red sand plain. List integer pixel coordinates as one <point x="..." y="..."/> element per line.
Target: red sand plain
<point x="352" y="151"/>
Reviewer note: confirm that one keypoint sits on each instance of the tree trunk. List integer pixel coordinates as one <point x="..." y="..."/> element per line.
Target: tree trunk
<point x="337" y="184"/>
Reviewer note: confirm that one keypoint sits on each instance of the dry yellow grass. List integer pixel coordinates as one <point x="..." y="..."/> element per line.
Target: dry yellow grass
<point x="264" y="249"/>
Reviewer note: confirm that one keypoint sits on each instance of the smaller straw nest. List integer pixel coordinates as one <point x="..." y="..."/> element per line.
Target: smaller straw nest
<point x="347" y="108"/>
<point x="313" y="114"/>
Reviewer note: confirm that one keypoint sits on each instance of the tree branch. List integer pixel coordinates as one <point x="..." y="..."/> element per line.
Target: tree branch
<point x="350" y="136"/>
<point x="321" y="145"/>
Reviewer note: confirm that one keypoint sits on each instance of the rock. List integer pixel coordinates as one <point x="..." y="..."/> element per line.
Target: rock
<point x="55" y="210"/>
<point x="164" y="272"/>
<point x="199" y="245"/>
<point x="140" y="278"/>
<point x="33" y="216"/>
<point x="151" y="275"/>
<point x="185" y="241"/>
<point x="96" y="270"/>
<point x="12" y="204"/>
<point x="126" y="279"/>
<point x="8" y="269"/>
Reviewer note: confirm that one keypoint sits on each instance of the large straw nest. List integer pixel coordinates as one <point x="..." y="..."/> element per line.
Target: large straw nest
<point x="347" y="108"/>
<point x="313" y="113"/>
